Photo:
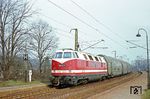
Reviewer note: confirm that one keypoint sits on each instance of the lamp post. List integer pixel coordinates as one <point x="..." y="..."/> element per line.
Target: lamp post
<point x="148" y="68"/>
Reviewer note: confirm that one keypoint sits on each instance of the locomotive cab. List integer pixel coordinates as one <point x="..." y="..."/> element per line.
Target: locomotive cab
<point x="64" y="60"/>
<point x="64" y="64"/>
<point x="65" y="54"/>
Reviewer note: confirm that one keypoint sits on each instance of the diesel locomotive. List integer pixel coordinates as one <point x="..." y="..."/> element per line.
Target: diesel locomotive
<point x="71" y="67"/>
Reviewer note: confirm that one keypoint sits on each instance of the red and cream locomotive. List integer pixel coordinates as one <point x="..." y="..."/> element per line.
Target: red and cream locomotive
<point x="71" y="67"/>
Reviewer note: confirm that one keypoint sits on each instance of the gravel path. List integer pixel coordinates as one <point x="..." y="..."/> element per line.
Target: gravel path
<point x="123" y="91"/>
<point x="12" y="88"/>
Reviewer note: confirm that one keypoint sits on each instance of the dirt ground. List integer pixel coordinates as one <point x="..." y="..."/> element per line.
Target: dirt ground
<point x="123" y="91"/>
<point x="114" y="88"/>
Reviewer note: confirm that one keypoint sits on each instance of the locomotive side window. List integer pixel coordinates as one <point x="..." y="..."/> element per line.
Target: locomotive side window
<point x="96" y="59"/>
<point x="85" y="56"/>
<point x="90" y="57"/>
<point x="77" y="55"/>
<point x="99" y="59"/>
<point x="67" y="55"/>
<point x="74" y="56"/>
<point x="58" y="55"/>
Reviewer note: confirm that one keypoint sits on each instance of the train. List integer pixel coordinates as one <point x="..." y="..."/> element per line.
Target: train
<point x="70" y="67"/>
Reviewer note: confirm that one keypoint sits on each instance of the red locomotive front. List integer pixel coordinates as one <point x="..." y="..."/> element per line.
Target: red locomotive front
<point x="72" y="67"/>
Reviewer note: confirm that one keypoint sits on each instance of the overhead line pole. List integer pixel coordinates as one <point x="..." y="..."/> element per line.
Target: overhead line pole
<point x="115" y="53"/>
<point x="76" y="45"/>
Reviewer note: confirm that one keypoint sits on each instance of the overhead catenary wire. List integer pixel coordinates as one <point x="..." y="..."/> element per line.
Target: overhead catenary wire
<point x="84" y="22"/>
<point x="96" y="20"/>
<point x="72" y="15"/>
<point x="58" y="22"/>
<point x="90" y="15"/>
<point x="92" y="45"/>
<point x="65" y="35"/>
<point x="61" y="24"/>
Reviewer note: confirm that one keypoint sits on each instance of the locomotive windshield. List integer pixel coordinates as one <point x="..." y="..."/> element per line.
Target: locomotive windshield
<point x="58" y="55"/>
<point x="63" y="55"/>
<point x="67" y="55"/>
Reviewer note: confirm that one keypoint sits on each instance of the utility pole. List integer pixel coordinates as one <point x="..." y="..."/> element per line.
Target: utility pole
<point x="76" y="45"/>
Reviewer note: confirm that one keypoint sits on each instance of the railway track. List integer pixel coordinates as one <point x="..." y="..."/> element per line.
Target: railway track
<point x="80" y="92"/>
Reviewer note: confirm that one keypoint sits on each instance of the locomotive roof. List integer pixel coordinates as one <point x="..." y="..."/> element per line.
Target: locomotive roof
<point x="65" y="49"/>
<point x="108" y="58"/>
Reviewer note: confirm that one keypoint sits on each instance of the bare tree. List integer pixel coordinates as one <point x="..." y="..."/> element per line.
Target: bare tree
<point x="43" y="39"/>
<point x="13" y="19"/>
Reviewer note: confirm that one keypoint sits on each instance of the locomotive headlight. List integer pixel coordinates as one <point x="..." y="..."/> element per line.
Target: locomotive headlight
<point x="74" y="77"/>
<point x="61" y="64"/>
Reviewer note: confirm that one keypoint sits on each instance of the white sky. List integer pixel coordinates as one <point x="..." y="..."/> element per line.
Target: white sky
<point x="122" y="17"/>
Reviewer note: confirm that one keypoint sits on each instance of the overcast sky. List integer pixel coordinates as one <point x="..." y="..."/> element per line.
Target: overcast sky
<point x="117" y="21"/>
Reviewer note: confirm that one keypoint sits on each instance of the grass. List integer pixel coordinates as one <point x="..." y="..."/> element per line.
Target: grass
<point x="146" y="94"/>
<point x="16" y="83"/>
